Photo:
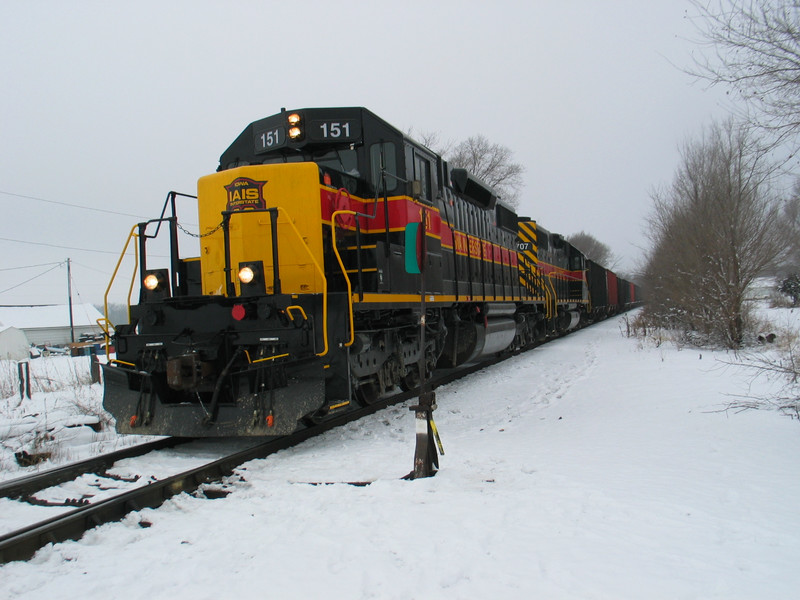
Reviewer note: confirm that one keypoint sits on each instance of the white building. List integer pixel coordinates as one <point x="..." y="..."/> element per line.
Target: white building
<point x="49" y="325"/>
<point x="13" y="344"/>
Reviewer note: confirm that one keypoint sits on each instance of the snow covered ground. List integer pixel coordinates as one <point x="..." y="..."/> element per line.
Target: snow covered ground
<point x="598" y="466"/>
<point x="64" y="418"/>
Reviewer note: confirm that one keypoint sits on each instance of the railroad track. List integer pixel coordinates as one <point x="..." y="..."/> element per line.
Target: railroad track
<point x="23" y="543"/>
<point x="26" y="486"/>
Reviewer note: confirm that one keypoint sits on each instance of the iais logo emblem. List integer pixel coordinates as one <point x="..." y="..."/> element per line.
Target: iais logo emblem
<point x="245" y="194"/>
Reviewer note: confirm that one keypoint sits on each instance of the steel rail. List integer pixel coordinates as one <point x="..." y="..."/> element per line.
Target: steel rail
<point x="27" y="485"/>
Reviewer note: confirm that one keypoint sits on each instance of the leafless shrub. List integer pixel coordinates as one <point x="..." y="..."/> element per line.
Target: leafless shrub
<point x="779" y="361"/>
<point x="712" y="234"/>
<point x="778" y="300"/>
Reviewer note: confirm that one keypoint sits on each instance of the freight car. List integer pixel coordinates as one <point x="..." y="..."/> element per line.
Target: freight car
<point x="338" y="259"/>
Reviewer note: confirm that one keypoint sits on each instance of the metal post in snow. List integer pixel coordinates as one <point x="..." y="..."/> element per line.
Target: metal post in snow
<point x="94" y="366"/>
<point x="426" y="459"/>
<point x="24" y="372"/>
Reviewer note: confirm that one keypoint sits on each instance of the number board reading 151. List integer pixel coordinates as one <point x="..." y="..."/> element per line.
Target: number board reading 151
<point x="270" y="138"/>
<point x="345" y="130"/>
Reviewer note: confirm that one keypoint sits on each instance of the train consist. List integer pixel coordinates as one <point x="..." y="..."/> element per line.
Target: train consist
<point x="338" y="260"/>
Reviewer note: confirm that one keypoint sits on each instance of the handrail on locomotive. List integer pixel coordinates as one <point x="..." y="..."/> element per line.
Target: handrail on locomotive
<point x="140" y="264"/>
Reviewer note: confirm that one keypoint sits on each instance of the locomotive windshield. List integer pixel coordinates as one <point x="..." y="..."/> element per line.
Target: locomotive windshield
<point x="344" y="161"/>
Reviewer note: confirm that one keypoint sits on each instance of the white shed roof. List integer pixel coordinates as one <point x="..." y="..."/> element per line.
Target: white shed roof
<point x="42" y="317"/>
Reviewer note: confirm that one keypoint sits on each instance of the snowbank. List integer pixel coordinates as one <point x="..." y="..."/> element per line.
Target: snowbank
<point x="597" y="466"/>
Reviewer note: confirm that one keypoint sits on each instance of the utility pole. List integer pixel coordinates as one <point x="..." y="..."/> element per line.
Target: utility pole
<point x="69" y="293"/>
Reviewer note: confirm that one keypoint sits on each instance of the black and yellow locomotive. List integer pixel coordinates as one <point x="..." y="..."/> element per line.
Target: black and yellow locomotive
<point x="338" y="259"/>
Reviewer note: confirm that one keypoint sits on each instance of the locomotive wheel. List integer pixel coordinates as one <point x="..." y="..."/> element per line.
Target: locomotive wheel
<point x="411" y="379"/>
<point x="367" y="393"/>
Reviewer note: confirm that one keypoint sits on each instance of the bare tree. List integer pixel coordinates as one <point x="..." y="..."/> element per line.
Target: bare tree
<point x="594" y="249"/>
<point x="493" y="163"/>
<point x="432" y="140"/>
<point x="790" y="223"/>
<point x="755" y="50"/>
<point x="713" y="233"/>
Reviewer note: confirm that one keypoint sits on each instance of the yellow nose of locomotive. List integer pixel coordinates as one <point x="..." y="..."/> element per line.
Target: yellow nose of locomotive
<point x="272" y="217"/>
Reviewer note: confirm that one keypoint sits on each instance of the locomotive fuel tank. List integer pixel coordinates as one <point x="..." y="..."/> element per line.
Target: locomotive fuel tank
<point x="489" y="332"/>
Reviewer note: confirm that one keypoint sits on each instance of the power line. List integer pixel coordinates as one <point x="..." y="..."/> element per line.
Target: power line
<point x="102" y="210"/>
<point x="31" y="266"/>
<point x="5" y="239"/>
<point x="103" y="271"/>
<point x="31" y="279"/>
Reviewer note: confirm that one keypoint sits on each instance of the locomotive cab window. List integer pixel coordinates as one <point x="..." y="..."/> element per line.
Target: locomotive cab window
<point x="422" y="173"/>
<point x="544" y="241"/>
<point x="419" y="168"/>
<point x="383" y="164"/>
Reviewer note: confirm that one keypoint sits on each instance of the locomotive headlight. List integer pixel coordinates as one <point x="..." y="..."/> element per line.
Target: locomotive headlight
<point x="246" y="274"/>
<point x="251" y="277"/>
<point x="294" y="119"/>
<point x="295" y="132"/>
<point x="151" y="282"/>
<point x="155" y="285"/>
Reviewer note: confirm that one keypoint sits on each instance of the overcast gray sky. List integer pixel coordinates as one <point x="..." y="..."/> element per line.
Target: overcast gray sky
<point x="110" y="105"/>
